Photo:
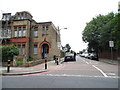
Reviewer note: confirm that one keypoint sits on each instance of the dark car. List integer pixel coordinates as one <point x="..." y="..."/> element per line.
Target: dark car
<point x="93" y="56"/>
<point x="69" y="57"/>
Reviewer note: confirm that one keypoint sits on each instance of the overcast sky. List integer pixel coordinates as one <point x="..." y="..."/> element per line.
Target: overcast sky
<point x="71" y="14"/>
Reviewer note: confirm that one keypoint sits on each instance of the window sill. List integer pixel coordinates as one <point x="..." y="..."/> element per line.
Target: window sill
<point x="36" y="37"/>
<point x="44" y="34"/>
<point x="20" y="37"/>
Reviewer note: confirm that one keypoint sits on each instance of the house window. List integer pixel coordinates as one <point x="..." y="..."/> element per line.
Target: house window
<point x="20" y="32"/>
<point x="18" y="17"/>
<point x="46" y="29"/>
<point x="24" y="32"/>
<point x="9" y="32"/>
<point x="36" y="31"/>
<point x="15" y="31"/>
<point x="35" y="49"/>
<point x="23" y="49"/>
<point x="15" y="34"/>
<point x="43" y="30"/>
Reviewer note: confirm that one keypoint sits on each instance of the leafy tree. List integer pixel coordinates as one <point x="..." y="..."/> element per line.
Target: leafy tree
<point x="100" y="30"/>
<point x="68" y="47"/>
<point x="8" y="52"/>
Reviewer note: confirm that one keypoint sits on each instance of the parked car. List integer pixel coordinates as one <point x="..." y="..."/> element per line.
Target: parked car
<point x="69" y="57"/>
<point x="89" y="56"/>
<point x="86" y="55"/>
<point x="82" y="55"/>
<point x="93" y="56"/>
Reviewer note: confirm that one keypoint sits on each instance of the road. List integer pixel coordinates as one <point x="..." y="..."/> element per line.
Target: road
<point x="83" y="73"/>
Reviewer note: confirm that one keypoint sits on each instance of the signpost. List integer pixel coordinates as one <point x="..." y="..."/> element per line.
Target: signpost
<point x="111" y="45"/>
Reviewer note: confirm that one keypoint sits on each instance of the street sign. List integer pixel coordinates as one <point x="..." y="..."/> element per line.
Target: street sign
<point x="111" y="43"/>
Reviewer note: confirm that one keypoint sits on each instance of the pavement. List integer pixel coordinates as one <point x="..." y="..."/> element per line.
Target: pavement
<point x="109" y="61"/>
<point x="51" y="65"/>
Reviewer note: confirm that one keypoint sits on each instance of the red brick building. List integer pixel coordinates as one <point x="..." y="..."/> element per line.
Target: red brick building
<point x="34" y="39"/>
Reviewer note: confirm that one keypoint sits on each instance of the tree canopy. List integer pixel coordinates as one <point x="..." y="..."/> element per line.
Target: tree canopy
<point x="68" y="47"/>
<point x="102" y="29"/>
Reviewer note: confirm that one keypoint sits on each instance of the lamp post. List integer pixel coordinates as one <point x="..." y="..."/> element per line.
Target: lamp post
<point x="59" y="41"/>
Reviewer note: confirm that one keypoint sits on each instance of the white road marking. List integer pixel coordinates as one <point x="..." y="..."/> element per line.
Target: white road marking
<point x="86" y="62"/>
<point x="111" y="74"/>
<point x="100" y="70"/>
<point x="67" y="75"/>
<point x="97" y="69"/>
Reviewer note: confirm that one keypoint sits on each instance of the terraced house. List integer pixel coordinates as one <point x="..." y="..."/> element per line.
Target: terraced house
<point x="34" y="39"/>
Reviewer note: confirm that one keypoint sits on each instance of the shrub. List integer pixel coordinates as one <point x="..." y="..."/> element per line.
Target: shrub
<point x="8" y="52"/>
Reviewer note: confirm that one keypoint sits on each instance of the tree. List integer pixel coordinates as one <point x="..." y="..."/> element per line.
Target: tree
<point x="99" y="31"/>
<point x="8" y="52"/>
<point x="68" y="47"/>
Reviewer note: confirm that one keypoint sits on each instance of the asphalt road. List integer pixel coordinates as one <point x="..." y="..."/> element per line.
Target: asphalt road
<point x="83" y="73"/>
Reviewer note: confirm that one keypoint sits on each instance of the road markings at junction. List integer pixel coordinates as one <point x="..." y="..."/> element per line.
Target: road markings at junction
<point x="100" y="70"/>
<point x="111" y="74"/>
<point x="97" y="69"/>
<point x="67" y="75"/>
<point x="86" y="62"/>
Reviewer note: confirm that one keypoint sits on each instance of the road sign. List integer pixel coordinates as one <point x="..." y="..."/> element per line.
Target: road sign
<point x="111" y="43"/>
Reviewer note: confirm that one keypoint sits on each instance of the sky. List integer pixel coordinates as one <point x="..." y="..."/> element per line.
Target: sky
<point x="70" y="14"/>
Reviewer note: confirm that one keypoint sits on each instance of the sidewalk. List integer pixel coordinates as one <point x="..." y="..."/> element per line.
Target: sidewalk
<point x="51" y="65"/>
<point x="113" y="62"/>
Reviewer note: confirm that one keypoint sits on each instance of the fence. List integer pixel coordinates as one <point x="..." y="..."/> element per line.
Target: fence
<point x="107" y="55"/>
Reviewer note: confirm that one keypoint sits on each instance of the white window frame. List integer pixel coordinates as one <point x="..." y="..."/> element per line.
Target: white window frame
<point x="15" y="33"/>
<point x="35" y="33"/>
<point x="35" y="49"/>
<point x="20" y="33"/>
<point x="24" y="33"/>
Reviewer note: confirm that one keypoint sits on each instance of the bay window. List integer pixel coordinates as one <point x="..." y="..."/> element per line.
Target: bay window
<point x="24" y="32"/>
<point x="20" y="32"/>
<point x="15" y="32"/>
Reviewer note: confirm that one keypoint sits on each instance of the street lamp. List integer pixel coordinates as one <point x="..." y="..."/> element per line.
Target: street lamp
<point x="59" y="41"/>
<point x="62" y="28"/>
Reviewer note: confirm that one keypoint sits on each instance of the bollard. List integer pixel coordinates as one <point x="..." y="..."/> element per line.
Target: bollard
<point x="45" y="63"/>
<point x="57" y="60"/>
<point x="54" y="58"/>
<point x="8" y="66"/>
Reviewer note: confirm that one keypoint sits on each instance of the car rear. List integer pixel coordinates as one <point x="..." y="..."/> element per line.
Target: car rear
<point x="69" y="57"/>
